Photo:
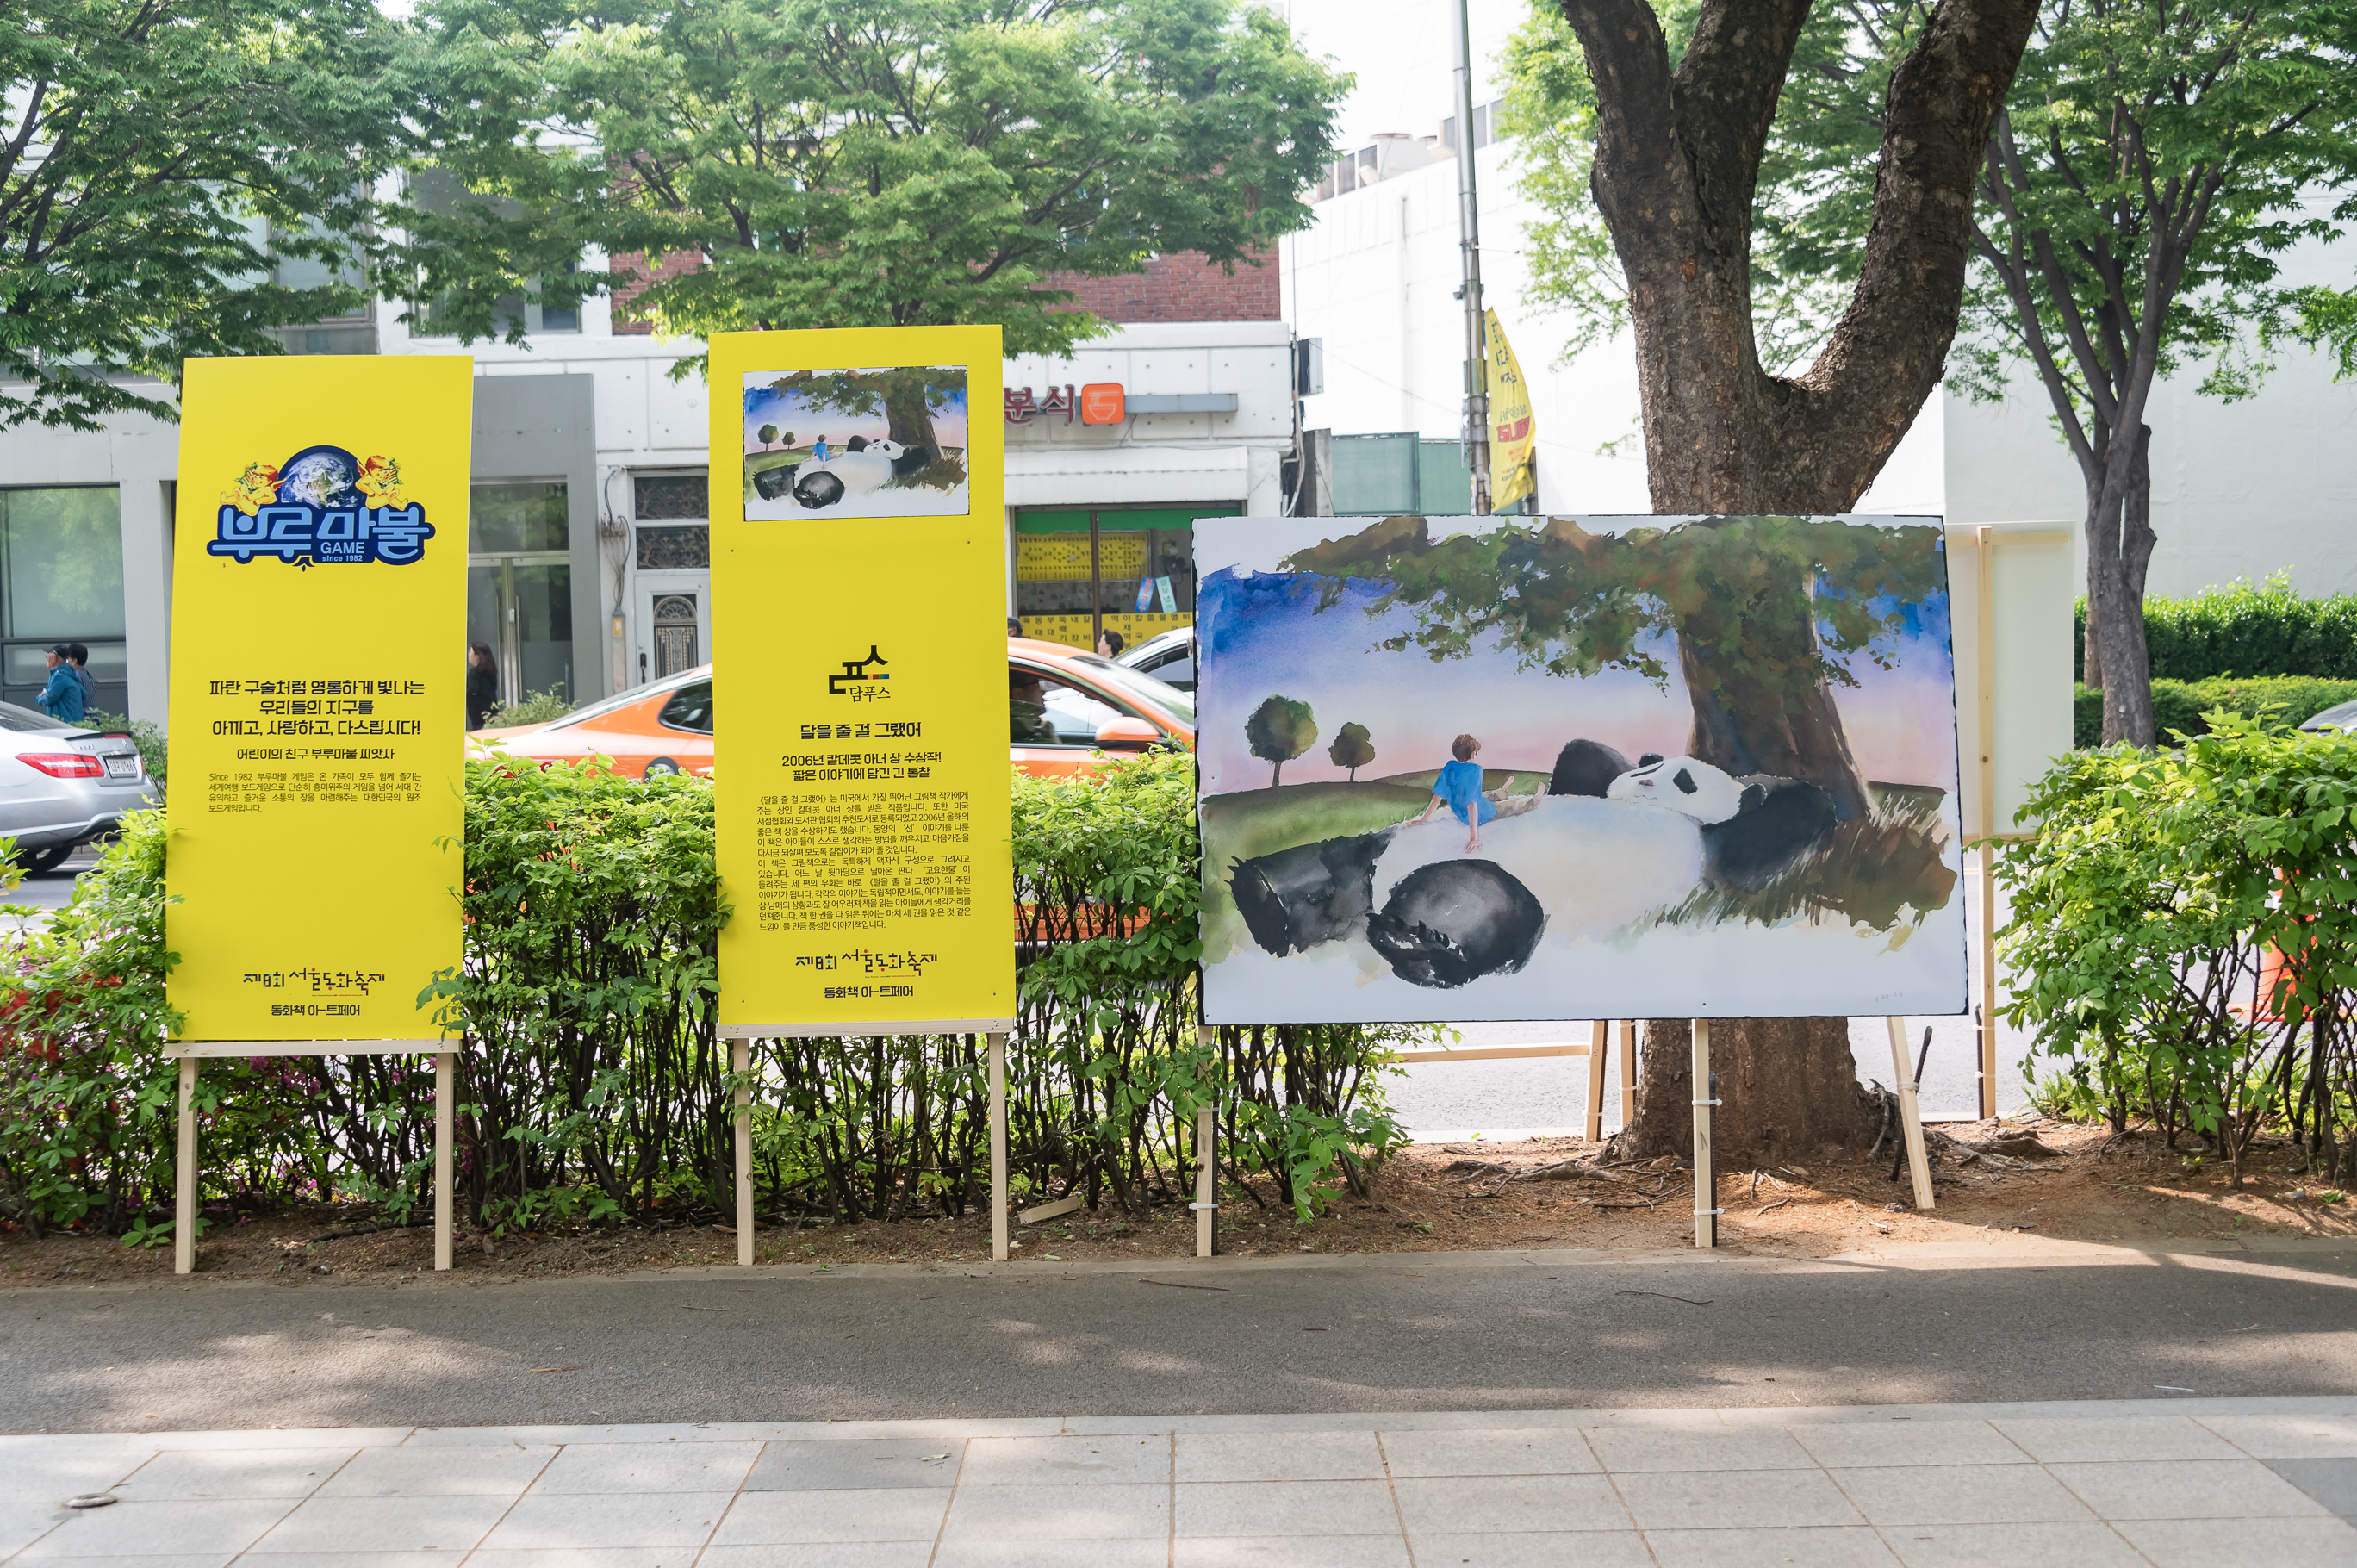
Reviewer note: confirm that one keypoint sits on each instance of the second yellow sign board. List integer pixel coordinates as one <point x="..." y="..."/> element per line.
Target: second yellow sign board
<point x="858" y="562"/>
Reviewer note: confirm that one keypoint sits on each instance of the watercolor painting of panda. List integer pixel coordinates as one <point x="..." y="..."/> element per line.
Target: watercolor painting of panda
<point x="1476" y="769"/>
<point x="884" y="441"/>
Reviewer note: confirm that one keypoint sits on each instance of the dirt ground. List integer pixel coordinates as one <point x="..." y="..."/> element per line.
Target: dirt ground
<point x="1429" y="1198"/>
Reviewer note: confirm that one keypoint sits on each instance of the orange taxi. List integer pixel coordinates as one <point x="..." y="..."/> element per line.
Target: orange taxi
<point x="1063" y="705"/>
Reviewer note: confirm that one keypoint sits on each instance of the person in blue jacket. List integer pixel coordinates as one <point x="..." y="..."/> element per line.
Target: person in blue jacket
<point x="1458" y="788"/>
<point x="62" y="699"/>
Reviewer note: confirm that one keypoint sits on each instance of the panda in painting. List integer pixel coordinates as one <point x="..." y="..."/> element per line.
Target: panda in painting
<point x="862" y="465"/>
<point x="1456" y="921"/>
<point x="1586" y="767"/>
<point x="1753" y="830"/>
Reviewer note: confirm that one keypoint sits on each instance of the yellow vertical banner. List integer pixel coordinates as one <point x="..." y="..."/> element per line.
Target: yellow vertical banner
<point x="318" y="700"/>
<point x="1512" y="429"/>
<point x="858" y="572"/>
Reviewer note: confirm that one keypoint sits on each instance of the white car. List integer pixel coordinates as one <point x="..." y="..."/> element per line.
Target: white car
<point x="60" y="786"/>
<point x="1167" y="656"/>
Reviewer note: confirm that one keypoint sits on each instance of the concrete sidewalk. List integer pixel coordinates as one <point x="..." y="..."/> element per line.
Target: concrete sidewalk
<point x="2200" y="1482"/>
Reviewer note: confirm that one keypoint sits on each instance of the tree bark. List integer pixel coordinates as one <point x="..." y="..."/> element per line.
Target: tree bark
<point x="2119" y="549"/>
<point x="1676" y="169"/>
<point x="1748" y="720"/>
<point x="1792" y="1090"/>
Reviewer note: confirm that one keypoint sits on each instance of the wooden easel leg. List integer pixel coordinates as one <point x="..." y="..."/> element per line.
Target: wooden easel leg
<point x="1596" y="1044"/>
<point x="1627" y="1071"/>
<point x="1207" y="1164"/>
<point x="1911" y="1114"/>
<point x="998" y="1197"/>
<point x="1988" y="979"/>
<point x="184" y="1197"/>
<point x="446" y="1128"/>
<point x="1705" y="1182"/>
<point x="740" y="1059"/>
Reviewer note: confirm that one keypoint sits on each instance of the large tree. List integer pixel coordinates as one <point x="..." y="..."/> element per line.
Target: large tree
<point x="845" y="163"/>
<point x="179" y="177"/>
<point x="1680" y="129"/>
<point x="2153" y="163"/>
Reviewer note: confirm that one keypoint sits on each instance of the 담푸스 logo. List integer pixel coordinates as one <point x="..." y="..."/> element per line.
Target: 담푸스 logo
<point x="322" y="506"/>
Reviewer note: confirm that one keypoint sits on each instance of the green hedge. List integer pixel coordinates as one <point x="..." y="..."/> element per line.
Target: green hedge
<point x="2242" y="629"/>
<point x="2180" y="704"/>
<point x="592" y="1081"/>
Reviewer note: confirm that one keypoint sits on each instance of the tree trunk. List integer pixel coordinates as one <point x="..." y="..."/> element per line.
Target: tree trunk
<point x="2119" y="549"/>
<point x="1789" y="1090"/>
<point x="1675" y="173"/>
<point x="1748" y="717"/>
<point x="909" y="420"/>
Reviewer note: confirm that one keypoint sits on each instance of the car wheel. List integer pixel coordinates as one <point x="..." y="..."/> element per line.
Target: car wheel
<point x="662" y="767"/>
<point x="33" y="862"/>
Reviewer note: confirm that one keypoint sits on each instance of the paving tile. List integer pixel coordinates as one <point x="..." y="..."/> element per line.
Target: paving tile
<point x="195" y="1528"/>
<point x="1286" y="1507"/>
<point x="1872" y="1444"/>
<point x="195" y="1472"/>
<point x="1960" y="1494"/>
<point x="1821" y="1546"/>
<point x="2229" y="1489"/>
<point x="1293" y="1552"/>
<point x="671" y="1520"/>
<point x="2288" y="1436"/>
<point x="588" y="1557"/>
<point x="209" y="1559"/>
<point x="1475" y="1505"/>
<point x="366" y="1558"/>
<point x="2332" y="1482"/>
<point x="1629" y="1449"/>
<point x="286" y="1437"/>
<point x="979" y="1554"/>
<point x="1743" y="1500"/>
<point x="856" y="1464"/>
<point x="483" y="1471"/>
<point x="832" y="1554"/>
<point x="1065" y="1461"/>
<point x="649" y="1467"/>
<point x="1113" y="1511"/>
<point x="2243" y="1542"/>
<point x="384" y="1524"/>
<point x="2094" y="1439"/>
<point x="1529" y="1451"/>
<point x="1534" y="1549"/>
<point x="816" y="1518"/>
<point x="21" y="1524"/>
<point x="47" y="1480"/>
<point x="2087" y="1544"/>
<point x="1292" y="1456"/>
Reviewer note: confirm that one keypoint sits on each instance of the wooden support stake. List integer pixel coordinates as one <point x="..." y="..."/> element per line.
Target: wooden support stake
<point x="998" y="1193"/>
<point x="1705" y="1179"/>
<point x="184" y="1208"/>
<point x="1596" y="1078"/>
<point x="1911" y="1115"/>
<point x="740" y="1061"/>
<point x="446" y="1127"/>
<point x="1984" y="542"/>
<point x="1206" y="1188"/>
<point x="1627" y="1071"/>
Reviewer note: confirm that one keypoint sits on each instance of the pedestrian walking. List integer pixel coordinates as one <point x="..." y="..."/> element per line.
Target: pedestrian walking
<point x="78" y="657"/>
<point x="61" y="698"/>
<point x="482" y="685"/>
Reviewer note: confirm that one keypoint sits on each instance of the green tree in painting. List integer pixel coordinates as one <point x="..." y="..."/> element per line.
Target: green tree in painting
<point x="1765" y="615"/>
<point x="1280" y="729"/>
<point x="769" y="437"/>
<point x="1352" y="749"/>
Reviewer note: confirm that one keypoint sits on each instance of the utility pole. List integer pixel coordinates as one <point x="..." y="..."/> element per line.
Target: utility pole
<point x="1469" y="241"/>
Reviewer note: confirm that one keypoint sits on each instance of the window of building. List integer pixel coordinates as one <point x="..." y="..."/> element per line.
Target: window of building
<point x="1138" y="579"/>
<point x="671" y="535"/>
<point x="434" y="190"/>
<point x="62" y="581"/>
<point x="1400" y="471"/>
<point x="520" y="584"/>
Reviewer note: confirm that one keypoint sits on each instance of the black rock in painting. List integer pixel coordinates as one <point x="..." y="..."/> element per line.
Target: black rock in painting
<point x="1312" y="893"/>
<point x="1454" y="921"/>
<point x="1586" y="767"/>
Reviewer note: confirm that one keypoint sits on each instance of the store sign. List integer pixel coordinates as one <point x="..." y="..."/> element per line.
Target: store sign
<point x="862" y="773"/>
<point x="1099" y="403"/>
<point x="318" y="723"/>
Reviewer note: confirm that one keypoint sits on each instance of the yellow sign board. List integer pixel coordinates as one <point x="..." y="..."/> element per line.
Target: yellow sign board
<point x="858" y="572"/>
<point x="318" y="702"/>
<point x="1512" y="430"/>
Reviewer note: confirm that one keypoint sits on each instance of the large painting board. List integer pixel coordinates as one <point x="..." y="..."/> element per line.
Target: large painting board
<point x="1718" y="757"/>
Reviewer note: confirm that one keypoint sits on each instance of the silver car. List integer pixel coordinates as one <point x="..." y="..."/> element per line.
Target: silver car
<point x="60" y="786"/>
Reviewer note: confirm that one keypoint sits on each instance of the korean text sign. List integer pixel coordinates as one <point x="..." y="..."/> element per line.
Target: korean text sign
<point x="858" y="572"/>
<point x="317" y="715"/>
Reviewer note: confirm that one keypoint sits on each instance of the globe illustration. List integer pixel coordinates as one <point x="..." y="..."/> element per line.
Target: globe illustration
<point x="317" y="478"/>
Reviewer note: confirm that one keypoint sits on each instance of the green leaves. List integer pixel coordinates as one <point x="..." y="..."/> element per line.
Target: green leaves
<point x="855" y="163"/>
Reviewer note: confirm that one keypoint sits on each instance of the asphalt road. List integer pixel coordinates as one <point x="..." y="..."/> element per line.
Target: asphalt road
<point x="1466" y="1332"/>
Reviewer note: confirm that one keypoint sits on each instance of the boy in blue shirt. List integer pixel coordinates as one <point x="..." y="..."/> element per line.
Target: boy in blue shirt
<point x="1458" y="788"/>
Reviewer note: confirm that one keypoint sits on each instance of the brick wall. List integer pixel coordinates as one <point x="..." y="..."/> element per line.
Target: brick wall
<point x="670" y="265"/>
<point x="1181" y="287"/>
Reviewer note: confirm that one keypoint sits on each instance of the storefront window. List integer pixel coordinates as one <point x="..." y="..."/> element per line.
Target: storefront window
<point x="520" y="585"/>
<point x="62" y="558"/>
<point x="1137" y="580"/>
